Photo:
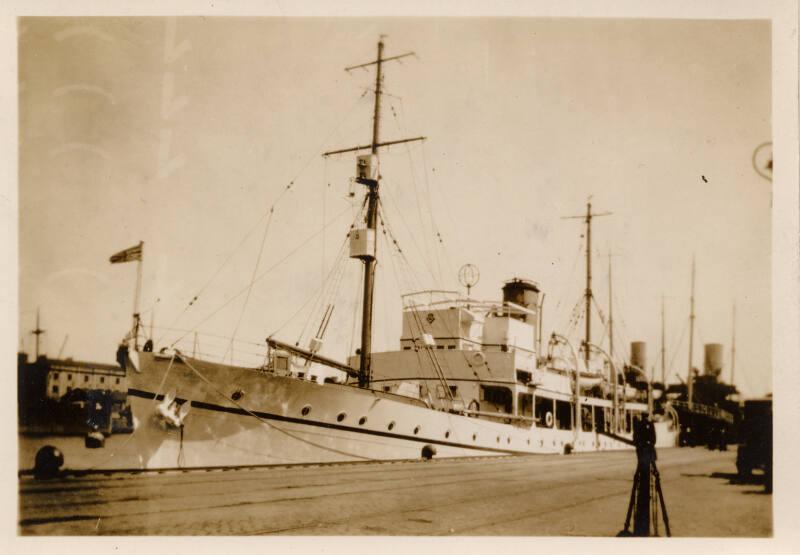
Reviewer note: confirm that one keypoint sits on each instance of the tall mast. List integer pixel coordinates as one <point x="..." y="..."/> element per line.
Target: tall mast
<point x="371" y="182"/>
<point x="733" y="345"/>
<point x="365" y="370"/>
<point x="690" y="379"/>
<point x="610" y="311"/>
<point x="588" y="291"/>
<point x="37" y="332"/>
<point x="137" y="295"/>
<point x="663" y="348"/>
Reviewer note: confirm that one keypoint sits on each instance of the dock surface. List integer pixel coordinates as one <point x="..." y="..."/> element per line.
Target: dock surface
<point x="573" y="495"/>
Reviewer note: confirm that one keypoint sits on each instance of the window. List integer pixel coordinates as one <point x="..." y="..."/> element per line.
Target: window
<point x="102" y="379"/>
<point x="117" y="381"/>
<point x="563" y="415"/>
<point x="600" y="419"/>
<point x="451" y="346"/>
<point x="69" y="377"/>
<point x="454" y="390"/>
<point x="542" y="408"/>
<point x="497" y="398"/>
<point x="55" y="389"/>
<point x="55" y="375"/>
<point x="586" y="418"/>
<point x="69" y="389"/>
<point x="525" y="404"/>
<point x="85" y="379"/>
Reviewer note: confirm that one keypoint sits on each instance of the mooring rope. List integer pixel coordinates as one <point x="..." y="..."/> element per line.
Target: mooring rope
<point x="263" y="420"/>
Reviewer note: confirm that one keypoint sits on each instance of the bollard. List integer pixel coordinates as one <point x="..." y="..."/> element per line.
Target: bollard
<point x="94" y="439"/>
<point x="48" y="461"/>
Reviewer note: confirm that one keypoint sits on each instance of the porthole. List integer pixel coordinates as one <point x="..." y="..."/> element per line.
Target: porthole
<point x="306" y="410"/>
<point x="237" y="395"/>
<point x="362" y="420"/>
<point x="341" y="416"/>
<point x="447" y="434"/>
<point x="416" y="430"/>
<point x="391" y="425"/>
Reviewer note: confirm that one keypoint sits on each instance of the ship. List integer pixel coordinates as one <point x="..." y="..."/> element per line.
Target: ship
<point x="471" y="378"/>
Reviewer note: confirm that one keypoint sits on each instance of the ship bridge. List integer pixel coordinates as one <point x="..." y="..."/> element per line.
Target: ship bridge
<point x="446" y="321"/>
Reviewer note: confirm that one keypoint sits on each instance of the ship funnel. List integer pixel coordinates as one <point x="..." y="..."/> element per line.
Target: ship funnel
<point x="522" y="292"/>
<point x="639" y="354"/>
<point x="712" y="364"/>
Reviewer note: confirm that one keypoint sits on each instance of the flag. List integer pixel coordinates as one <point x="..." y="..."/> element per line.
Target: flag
<point x="128" y="255"/>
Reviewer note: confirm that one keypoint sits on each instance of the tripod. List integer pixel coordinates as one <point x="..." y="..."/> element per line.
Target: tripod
<point x="646" y="497"/>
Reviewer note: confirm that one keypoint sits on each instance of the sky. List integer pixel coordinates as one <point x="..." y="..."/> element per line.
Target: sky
<point x="184" y="133"/>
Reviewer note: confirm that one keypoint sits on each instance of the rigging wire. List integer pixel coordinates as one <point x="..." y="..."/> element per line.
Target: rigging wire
<point x="411" y="234"/>
<point x="264" y="420"/>
<point x="252" y="281"/>
<point x="450" y="266"/>
<point x="265" y="272"/>
<point x="431" y="257"/>
<point x="434" y="230"/>
<point x="676" y="348"/>
<point x="356" y="310"/>
<point x="268" y="213"/>
<point x="327" y="292"/>
<point x="562" y="295"/>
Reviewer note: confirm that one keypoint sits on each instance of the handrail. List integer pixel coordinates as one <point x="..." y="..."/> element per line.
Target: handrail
<point x="558" y="338"/>
<point x="614" y="385"/>
<point x="488" y="306"/>
<point x="714" y="412"/>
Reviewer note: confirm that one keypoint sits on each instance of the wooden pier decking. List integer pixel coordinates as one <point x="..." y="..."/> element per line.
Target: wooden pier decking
<point x="574" y="495"/>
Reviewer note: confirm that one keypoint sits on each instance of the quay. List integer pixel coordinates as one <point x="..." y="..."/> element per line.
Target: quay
<point x="538" y="495"/>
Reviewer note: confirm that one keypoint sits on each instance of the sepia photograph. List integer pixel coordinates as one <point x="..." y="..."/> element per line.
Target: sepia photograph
<point x="499" y="275"/>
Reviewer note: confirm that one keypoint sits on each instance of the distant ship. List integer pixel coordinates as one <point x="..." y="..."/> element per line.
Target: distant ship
<point x="471" y="378"/>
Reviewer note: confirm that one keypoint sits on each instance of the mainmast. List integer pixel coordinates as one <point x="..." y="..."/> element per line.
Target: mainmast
<point x="663" y="348"/>
<point x="610" y="311"/>
<point x="587" y="218"/>
<point x="690" y="380"/>
<point x="369" y="175"/>
<point x="37" y="332"/>
<point x="733" y="345"/>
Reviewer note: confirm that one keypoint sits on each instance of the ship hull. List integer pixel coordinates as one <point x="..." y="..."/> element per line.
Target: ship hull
<point x="241" y="416"/>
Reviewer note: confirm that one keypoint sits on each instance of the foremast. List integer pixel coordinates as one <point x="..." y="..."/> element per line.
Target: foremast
<point x="587" y="218"/>
<point x="369" y="176"/>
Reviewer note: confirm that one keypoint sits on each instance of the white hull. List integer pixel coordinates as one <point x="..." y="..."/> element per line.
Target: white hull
<point x="267" y="425"/>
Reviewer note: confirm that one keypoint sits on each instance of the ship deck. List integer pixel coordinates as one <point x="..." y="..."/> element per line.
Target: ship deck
<point x="575" y="495"/>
